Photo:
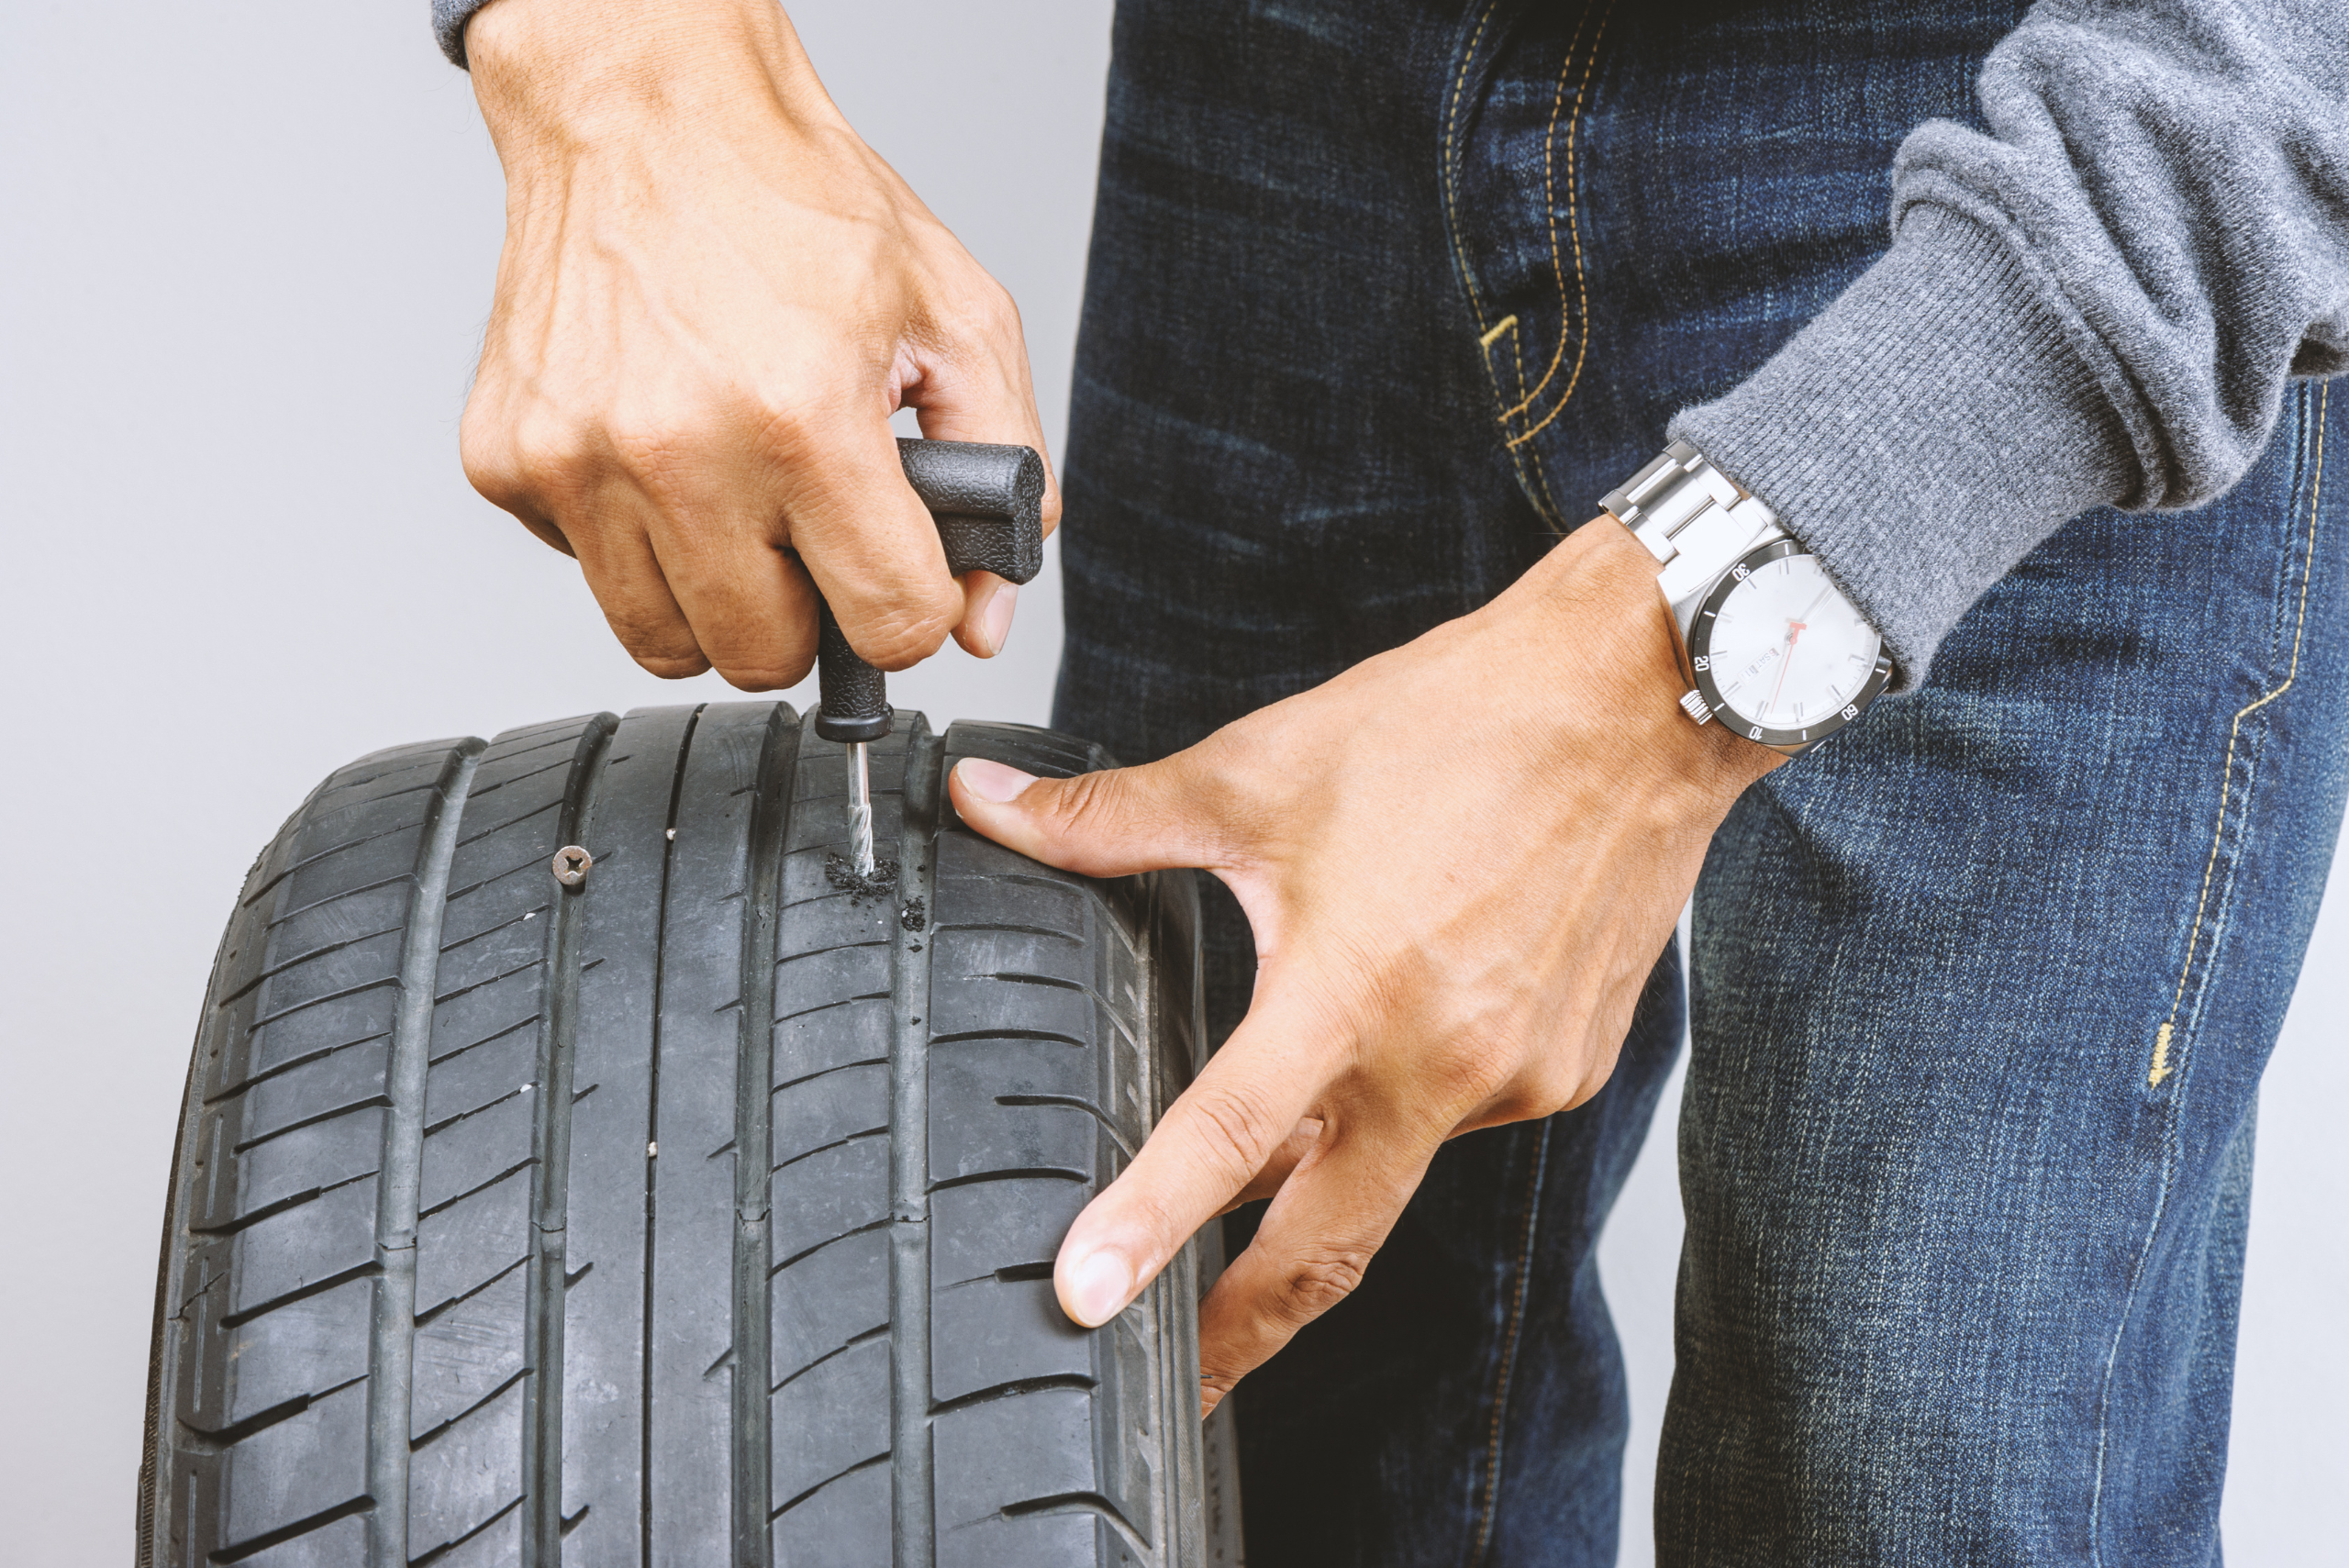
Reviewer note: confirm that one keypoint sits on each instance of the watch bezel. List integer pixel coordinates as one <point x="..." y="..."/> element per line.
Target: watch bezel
<point x="1699" y="643"/>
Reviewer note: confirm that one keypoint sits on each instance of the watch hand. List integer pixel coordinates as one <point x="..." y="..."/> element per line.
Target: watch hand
<point x="1794" y="634"/>
<point x="1803" y="618"/>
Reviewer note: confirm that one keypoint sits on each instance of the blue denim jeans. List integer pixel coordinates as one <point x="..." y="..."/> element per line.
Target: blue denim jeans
<point x="1384" y="295"/>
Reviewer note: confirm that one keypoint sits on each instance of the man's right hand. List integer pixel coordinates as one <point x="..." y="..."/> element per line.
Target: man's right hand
<point x="712" y="297"/>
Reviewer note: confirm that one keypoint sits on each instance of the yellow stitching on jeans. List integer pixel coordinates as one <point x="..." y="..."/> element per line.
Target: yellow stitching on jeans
<point x="1574" y="221"/>
<point x="1451" y="186"/>
<point x="1503" y="325"/>
<point x="1540" y="474"/>
<point x="2162" y="1067"/>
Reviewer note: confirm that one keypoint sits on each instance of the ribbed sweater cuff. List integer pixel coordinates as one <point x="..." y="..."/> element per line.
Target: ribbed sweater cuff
<point x="449" y="19"/>
<point x="1925" y="431"/>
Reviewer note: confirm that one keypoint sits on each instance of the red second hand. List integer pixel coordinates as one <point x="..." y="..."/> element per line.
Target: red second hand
<point x="1795" y="630"/>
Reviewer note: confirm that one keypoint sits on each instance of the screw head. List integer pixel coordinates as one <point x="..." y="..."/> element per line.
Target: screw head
<point x="571" y="865"/>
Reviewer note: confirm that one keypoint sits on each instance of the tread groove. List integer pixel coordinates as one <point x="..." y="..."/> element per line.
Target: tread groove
<point x="266" y="888"/>
<point x="827" y="1241"/>
<point x="303" y="1293"/>
<point x="1024" y="1173"/>
<point x="652" y="1130"/>
<point x="451" y="1202"/>
<point x="857" y="1136"/>
<point x="372" y="1102"/>
<point x="455" y="1301"/>
<point x="336" y="896"/>
<point x="223" y="1097"/>
<point x="1011" y="1034"/>
<point x="391" y="1333"/>
<point x="299" y="959"/>
<point x="259" y="1421"/>
<point x="543" y="1294"/>
<point x="278" y="1537"/>
<point x="865" y="1338"/>
<point x="1022" y="1101"/>
<point x="1001" y="930"/>
<point x="447" y="1547"/>
<point x="271" y="1211"/>
<point x="423" y="1440"/>
<point x="845" y="1001"/>
<point x="842" y="1476"/>
<point x="750" y="1450"/>
<point x="264" y="1020"/>
<point x="827" y="1072"/>
<point x="1082" y="1503"/>
<point x="1013" y="1389"/>
<point x="514" y="1027"/>
<point x="913" y="1483"/>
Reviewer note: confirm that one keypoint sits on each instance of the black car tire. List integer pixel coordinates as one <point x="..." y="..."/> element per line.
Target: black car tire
<point x="461" y="1265"/>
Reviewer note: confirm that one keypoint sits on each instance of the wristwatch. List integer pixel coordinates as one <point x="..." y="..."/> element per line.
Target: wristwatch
<point x="1769" y="646"/>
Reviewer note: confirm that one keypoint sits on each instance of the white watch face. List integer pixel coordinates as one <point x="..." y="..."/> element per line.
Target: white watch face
<point x="1779" y="655"/>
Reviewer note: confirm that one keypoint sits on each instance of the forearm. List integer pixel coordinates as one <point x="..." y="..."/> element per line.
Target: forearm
<point x="2098" y="301"/>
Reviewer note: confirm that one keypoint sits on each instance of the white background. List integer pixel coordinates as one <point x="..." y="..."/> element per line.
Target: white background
<point x="245" y="253"/>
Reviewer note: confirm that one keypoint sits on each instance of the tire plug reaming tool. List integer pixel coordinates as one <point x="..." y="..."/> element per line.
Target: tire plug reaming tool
<point x="987" y="502"/>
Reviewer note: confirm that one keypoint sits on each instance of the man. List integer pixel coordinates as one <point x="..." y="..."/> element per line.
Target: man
<point x="1382" y="296"/>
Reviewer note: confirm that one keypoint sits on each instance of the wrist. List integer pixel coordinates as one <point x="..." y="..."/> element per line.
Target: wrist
<point x="567" y="75"/>
<point x="1598" y="593"/>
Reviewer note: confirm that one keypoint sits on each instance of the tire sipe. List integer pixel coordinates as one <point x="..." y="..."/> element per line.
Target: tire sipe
<point x="469" y="1259"/>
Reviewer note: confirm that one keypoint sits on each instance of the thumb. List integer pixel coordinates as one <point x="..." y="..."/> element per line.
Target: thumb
<point x="1113" y="823"/>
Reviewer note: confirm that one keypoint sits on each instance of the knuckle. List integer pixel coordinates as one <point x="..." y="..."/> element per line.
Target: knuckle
<point x="765" y="675"/>
<point x="1474" y="1074"/>
<point x="788" y="425"/>
<point x="1085" y="796"/>
<point x="903" y="636"/>
<point x="1319" y="1281"/>
<point x="492" y="464"/>
<point x="982" y="312"/>
<point x="1230" y="1139"/>
<point x="516" y="463"/>
<point x="1551" y="1090"/>
<point x="661" y="647"/>
<point x="647" y="443"/>
<point x="670" y="666"/>
<point x="998" y="313"/>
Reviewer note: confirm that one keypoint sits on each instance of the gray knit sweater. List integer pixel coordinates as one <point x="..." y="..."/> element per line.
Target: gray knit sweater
<point x="2098" y="302"/>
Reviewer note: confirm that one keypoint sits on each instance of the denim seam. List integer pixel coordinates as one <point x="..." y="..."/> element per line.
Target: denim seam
<point x="2162" y="1066"/>
<point x="1574" y="223"/>
<point x="1540" y="469"/>
<point x="1487" y="336"/>
<point x="1504" y="1372"/>
<point x="1452" y="202"/>
<point x="1550" y="208"/>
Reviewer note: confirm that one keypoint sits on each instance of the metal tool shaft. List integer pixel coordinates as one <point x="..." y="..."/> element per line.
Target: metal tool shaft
<point x="988" y="505"/>
<point x="860" y="806"/>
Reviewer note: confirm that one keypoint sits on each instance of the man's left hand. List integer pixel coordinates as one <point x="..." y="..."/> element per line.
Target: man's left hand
<point x="1460" y="860"/>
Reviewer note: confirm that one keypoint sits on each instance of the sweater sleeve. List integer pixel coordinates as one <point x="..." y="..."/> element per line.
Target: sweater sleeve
<point x="449" y="19"/>
<point x="2098" y="301"/>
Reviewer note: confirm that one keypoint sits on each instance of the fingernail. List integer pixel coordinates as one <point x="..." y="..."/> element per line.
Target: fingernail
<point x="992" y="781"/>
<point x="1098" y="1286"/>
<point x="995" y="623"/>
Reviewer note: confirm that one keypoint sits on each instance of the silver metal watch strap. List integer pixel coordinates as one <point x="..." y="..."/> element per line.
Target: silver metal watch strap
<point x="1692" y="518"/>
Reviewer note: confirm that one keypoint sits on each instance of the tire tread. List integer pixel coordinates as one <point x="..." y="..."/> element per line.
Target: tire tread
<point x="704" y="1211"/>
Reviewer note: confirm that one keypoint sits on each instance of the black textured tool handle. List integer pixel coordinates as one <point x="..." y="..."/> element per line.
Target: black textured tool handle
<point x="988" y="504"/>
